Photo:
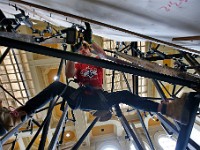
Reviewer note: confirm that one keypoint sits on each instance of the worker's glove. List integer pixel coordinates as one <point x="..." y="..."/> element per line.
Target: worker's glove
<point x="76" y="47"/>
<point x="88" y="33"/>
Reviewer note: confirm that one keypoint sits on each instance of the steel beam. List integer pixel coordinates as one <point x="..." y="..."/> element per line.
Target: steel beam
<point x="122" y="66"/>
<point x="128" y="129"/>
<point x="4" y="54"/>
<point x="46" y="126"/>
<point x="140" y="116"/>
<point x="54" y="140"/>
<point x="80" y="141"/>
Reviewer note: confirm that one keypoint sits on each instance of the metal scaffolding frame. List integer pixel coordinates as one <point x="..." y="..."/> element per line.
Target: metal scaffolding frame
<point x="182" y="131"/>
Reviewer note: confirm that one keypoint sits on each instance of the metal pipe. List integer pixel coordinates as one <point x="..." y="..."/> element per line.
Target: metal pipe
<point x="11" y="95"/>
<point x="46" y="126"/>
<point x="14" y="143"/>
<point x="140" y="117"/>
<point x="18" y="102"/>
<point x="63" y="129"/>
<point x="54" y="139"/>
<point x="166" y="130"/>
<point x="174" y="89"/>
<point x="40" y="128"/>
<point x="174" y="129"/>
<point x="61" y="63"/>
<point x="47" y="107"/>
<point x="170" y="56"/>
<point x="179" y="90"/>
<point x="127" y="128"/>
<point x="37" y="133"/>
<point x="194" y="144"/>
<point x="80" y="141"/>
<point x="124" y="122"/>
<point x="11" y="132"/>
<point x="159" y="89"/>
<point x="165" y="89"/>
<point x="4" y="54"/>
<point x="167" y="124"/>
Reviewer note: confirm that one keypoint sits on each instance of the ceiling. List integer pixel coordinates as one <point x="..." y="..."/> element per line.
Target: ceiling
<point x="123" y="20"/>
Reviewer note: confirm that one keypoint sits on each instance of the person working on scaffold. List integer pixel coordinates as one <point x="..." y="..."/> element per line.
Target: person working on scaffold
<point x="90" y="95"/>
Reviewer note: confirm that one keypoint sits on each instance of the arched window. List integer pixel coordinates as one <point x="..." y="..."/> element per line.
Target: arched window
<point x="108" y="145"/>
<point x="195" y="134"/>
<point x="109" y="148"/>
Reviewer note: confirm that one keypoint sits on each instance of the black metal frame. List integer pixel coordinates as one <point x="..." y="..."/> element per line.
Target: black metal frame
<point x="182" y="131"/>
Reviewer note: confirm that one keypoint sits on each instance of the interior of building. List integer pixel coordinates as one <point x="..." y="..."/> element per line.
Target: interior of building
<point x="153" y="51"/>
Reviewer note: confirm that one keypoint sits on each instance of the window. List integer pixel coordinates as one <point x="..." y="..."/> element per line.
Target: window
<point x="119" y="80"/>
<point x="108" y="145"/>
<point x="109" y="148"/>
<point x="15" y="78"/>
<point x="166" y="142"/>
<point x="132" y="147"/>
<point x="195" y="135"/>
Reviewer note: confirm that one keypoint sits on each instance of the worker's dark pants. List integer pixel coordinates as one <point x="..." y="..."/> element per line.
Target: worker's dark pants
<point x="88" y="101"/>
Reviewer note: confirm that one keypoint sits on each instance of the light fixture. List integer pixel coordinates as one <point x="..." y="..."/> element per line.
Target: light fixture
<point x="68" y="135"/>
<point x="55" y="78"/>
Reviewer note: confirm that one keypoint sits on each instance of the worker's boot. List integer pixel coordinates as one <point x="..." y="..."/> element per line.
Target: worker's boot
<point x="104" y="115"/>
<point x="178" y="109"/>
<point x="9" y="118"/>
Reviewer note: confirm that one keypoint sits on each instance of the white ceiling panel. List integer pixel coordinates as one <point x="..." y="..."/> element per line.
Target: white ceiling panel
<point x="159" y="19"/>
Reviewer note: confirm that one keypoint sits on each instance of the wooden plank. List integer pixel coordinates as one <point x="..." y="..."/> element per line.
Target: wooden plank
<point x="188" y="38"/>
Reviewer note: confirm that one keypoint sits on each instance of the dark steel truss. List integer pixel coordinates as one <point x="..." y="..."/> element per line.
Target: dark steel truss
<point x="183" y="132"/>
